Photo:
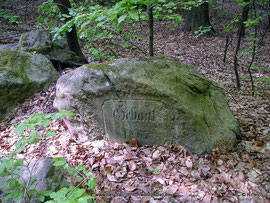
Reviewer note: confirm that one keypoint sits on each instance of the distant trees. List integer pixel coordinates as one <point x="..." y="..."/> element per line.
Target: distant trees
<point x="116" y="20"/>
<point x="254" y="14"/>
<point x="96" y="21"/>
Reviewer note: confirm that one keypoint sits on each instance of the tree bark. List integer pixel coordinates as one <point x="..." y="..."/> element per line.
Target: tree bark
<point x="72" y="38"/>
<point x="245" y="12"/>
<point x="198" y="16"/>
<point x="235" y="63"/>
<point x="151" y="29"/>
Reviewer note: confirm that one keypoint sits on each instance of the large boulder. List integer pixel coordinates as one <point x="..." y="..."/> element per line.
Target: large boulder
<point x="40" y="41"/>
<point x="22" y="74"/>
<point x="46" y="177"/>
<point x="154" y="100"/>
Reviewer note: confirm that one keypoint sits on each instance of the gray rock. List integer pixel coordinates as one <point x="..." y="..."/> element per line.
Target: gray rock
<point x="8" y="46"/>
<point x="47" y="177"/>
<point x="40" y="41"/>
<point x="154" y="100"/>
<point x="22" y="74"/>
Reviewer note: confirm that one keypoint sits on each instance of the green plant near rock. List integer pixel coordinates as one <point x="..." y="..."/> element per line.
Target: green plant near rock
<point x="19" y="189"/>
<point x="202" y="31"/>
<point x="6" y="14"/>
<point x="157" y="170"/>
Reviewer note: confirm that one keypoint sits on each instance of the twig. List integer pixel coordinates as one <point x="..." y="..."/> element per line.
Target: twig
<point x="70" y="193"/>
<point x="125" y="39"/>
<point x="10" y="37"/>
<point x="78" y="172"/>
<point x="30" y="175"/>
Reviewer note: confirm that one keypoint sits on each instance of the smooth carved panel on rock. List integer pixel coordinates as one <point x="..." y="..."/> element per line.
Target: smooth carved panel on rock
<point x="140" y="119"/>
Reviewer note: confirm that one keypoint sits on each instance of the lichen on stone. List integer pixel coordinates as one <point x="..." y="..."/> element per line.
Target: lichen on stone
<point x="100" y="66"/>
<point x="22" y="40"/>
<point x="14" y="62"/>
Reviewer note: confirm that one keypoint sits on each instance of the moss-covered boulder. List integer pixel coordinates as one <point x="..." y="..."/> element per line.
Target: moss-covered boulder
<point x="154" y="100"/>
<point x="40" y="41"/>
<point x="22" y="74"/>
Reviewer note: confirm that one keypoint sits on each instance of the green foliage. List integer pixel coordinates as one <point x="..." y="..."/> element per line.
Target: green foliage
<point x="48" y="14"/>
<point x="96" y="22"/>
<point x="202" y="31"/>
<point x="157" y="170"/>
<point x="6" y="14"/>
<point x="10" y="167"/>
<point x="266" y="80"/>
<point x="253" y="67"/>
<point x="77" y="196"/>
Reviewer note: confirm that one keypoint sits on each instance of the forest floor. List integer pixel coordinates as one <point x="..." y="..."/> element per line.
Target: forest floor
<point x="241" y="175"/>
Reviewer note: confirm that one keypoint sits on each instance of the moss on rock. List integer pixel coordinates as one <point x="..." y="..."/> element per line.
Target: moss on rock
<point x="156" y="100"/>
<point x="22" y="74"/>
<point x="100" y="66"/>
<point x="14" y="62"/>
<point x="41" y="42"/>
<point x="24" y="37"/>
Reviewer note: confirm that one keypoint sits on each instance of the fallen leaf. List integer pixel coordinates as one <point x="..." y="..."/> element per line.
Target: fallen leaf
<point x="130" y="188"/>
<point x="132" y="165"/>
<point x="111" y="178"/>
<point x="144" y="189"/>
<point x="189" y="163"/>
<point x="161" y="181"/>
<point x="189" y="183"/>
<point x="156" y="154"/>
<point x="134" y="143"/>
<point x="3" y="136"/>
<point x="120" y="174"/>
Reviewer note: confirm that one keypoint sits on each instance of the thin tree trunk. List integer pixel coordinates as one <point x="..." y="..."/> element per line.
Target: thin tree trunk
<point x="245" y="12"/>
<point x="72" y="38"/>
<point x="228" y="42"/>
<point x="151" y="29"/>
<point x="268" y="5"/>
<point x="235" y="55"/>
<point x="253" y="52"/>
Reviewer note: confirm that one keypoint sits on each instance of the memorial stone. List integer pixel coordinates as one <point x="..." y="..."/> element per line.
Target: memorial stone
<point x="156" y="101"/>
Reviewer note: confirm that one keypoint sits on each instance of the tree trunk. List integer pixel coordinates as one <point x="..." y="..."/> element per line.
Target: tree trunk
<point x="198" y="16"/>
<point x="268" y="15"/>
<point x="151" y="29"/>
<point x="245" y="12"/>
<point x="72" y="38"/>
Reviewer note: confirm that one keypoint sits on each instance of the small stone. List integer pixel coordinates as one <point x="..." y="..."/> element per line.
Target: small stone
<point x="41" y="42"/>
<point x="219" y="162"/>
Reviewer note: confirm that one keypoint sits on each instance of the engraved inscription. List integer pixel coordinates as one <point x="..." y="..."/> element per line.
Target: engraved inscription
<point x="141" y="119"/>
<point x="137" y="133"/>
<point x="133" y="114"/>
